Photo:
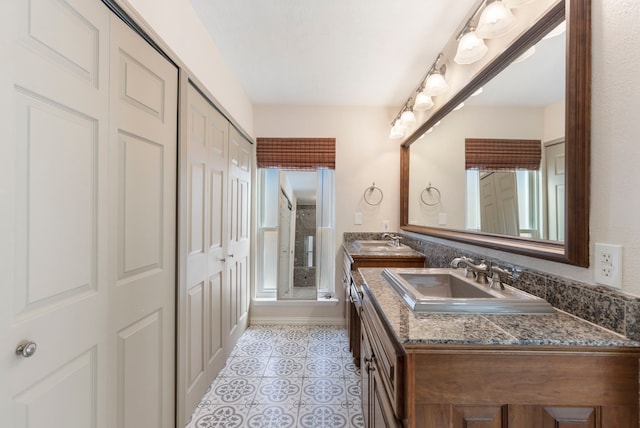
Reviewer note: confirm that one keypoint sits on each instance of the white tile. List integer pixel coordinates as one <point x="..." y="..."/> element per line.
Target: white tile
<point x="279" y="390"/>
<point x="324" y="367"/>
<point x="272" y="416"/>
<point x="323" y="391"/>
<point x="285" y="367"/>
<point x="323" y="416"/>
<point x="244" y="367"/>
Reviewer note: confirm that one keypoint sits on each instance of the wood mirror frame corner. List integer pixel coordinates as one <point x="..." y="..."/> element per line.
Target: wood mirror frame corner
<point x="575" y="249"/>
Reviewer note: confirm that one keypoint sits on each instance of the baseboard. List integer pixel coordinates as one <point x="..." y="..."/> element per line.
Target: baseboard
<point x="284" y="320"/>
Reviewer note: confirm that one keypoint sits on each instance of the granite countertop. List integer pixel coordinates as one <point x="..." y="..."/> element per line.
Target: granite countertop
<point x="405" y="251"/>
<point x="559" y="329"/>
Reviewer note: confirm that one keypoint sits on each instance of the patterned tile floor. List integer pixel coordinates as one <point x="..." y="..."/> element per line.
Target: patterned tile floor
<point x="285" y="376"/>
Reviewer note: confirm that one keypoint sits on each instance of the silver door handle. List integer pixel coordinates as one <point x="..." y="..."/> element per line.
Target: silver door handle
<point x="26" y="349"/>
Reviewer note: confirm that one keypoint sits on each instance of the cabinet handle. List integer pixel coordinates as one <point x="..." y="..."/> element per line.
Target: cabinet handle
<point x="369" y="368"/>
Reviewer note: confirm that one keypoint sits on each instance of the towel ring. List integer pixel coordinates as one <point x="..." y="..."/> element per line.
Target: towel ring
<point x="428" y="190"/>
<point x="370" y="195"/>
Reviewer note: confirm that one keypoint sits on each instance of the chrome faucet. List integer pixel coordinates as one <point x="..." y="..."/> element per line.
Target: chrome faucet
<point x="478" y="270"/>
<point x="394" y="239"/>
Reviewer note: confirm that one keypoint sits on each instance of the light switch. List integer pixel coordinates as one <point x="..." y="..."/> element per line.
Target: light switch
<point x="357" y="218"/>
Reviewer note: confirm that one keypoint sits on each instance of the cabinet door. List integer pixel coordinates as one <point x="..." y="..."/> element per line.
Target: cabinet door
<point x="365" y="361"/>
<point x="477" y="416"/>
<point x="381" y="412"/>
<point x="557" y="417"/>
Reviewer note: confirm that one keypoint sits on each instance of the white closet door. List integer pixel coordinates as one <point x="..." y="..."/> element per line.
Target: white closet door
<point x="238" y="265"/>
<point x="53" y="212"/>
<point x="142" y="248"/>
<point x="201" y="336"/>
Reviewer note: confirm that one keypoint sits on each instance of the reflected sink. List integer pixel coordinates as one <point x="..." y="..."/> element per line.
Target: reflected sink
<point x="448" y="290"/>
<point x="378" y="246"/>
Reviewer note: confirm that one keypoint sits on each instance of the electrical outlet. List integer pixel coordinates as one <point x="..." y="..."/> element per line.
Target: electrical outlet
<point x="608" y="265"/>
<point x="385" y="225"/>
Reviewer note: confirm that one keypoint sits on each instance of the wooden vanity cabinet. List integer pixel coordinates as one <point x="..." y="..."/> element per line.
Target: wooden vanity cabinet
<point x="353" y="296"/>
<point x="493" y="386"/>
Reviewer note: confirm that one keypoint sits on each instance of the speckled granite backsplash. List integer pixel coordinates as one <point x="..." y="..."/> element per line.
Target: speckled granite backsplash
<point x="603" y="306"/>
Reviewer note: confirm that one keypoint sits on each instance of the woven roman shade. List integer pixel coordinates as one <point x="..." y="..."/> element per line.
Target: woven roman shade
<point x="495" y="155"/>
<point x="296" y="153"/>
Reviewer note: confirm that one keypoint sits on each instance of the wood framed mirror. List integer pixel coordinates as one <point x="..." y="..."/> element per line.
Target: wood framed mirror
<point x="574" y="249"/>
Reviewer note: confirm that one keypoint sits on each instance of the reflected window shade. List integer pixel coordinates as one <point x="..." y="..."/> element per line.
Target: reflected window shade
<point x="495" y="154"/>
<point x="296" y="153"/>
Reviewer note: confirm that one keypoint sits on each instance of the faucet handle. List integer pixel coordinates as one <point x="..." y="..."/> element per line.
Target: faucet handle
<point x="496" y="280"/>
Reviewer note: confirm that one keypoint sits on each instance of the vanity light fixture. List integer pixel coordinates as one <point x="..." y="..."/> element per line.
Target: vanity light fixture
<point x="435" y="83"/>
<point x="471" y="48"/>
<point x="495" y="20"/>
<point x="408" y="118"/>
<point x="423" y="101"/>
<point x="477" y="92"/>
<point x="458" y="107"/>
<point x="396" y="133"/>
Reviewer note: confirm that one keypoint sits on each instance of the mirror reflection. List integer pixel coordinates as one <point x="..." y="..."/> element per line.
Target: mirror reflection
<point x="496" y="164"/>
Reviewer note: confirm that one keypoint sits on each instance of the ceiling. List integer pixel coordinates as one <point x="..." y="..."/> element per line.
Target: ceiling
<point x="331" y="52"/>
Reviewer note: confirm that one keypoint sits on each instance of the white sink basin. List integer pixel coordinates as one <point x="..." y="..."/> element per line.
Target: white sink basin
<point x="448" y="290"/>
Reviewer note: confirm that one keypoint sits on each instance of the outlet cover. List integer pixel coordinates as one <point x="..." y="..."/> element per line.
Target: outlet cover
<point x="608" y="265"/>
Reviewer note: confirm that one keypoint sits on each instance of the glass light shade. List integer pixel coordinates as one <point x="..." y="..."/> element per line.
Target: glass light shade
<point x="408" y="118"/>
<point x="516" y="3"/>
<point x="396" y="132"/>
<point x="436" y="85"/>
<point x="458" y="107"/>
<point x="423" y="102"/>
<point x="400" y="125"/>
<point x="496" y="20"/>
<point x="477" y="92"/>
<point x="471" y="48"/>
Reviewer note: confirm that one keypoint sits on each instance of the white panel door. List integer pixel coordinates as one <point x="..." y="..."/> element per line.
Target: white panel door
<point x="555" y="164"/>
<point x="238" y="265"/>
<point x="143" y="152"/>
<point x="201" y="336"/>
<point x="53" y="212"/>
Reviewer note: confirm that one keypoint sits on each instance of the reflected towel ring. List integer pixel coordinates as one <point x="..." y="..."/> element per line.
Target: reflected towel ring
<point x="371" y="195"/>
<point x="428" y="190"/>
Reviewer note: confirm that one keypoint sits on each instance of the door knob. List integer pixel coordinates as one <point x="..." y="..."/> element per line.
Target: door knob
<point x="26" y="349"/>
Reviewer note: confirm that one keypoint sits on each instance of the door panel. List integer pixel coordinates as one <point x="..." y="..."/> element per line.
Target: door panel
<point x="240" y="155"/>
<point x="53" y="170"/>
<point x="201" y="337"/>
<point x="140" y="376"/>
<point x="143" y="203"/>
<point x="66" y="397"/>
